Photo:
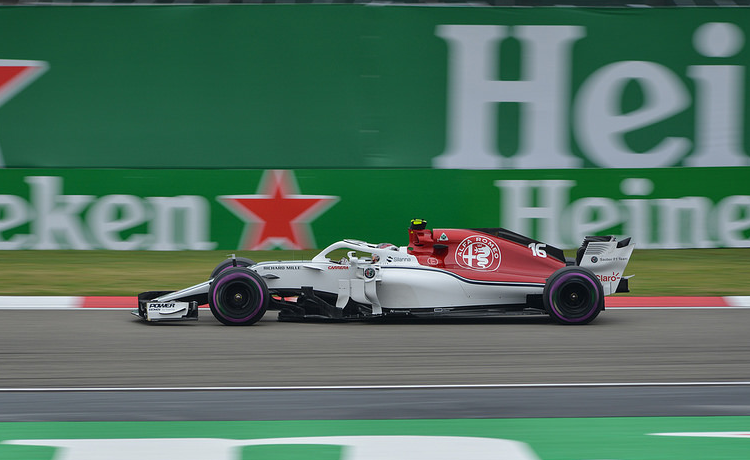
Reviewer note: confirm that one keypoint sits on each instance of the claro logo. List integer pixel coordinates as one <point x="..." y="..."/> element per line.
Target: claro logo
<point x="609" y="278"/>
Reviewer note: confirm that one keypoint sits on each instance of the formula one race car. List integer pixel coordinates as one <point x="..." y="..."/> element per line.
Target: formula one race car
<point x="445" y="272"/>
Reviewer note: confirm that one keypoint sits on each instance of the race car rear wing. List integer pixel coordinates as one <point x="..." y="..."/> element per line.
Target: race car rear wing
<point x="607" y="258"/>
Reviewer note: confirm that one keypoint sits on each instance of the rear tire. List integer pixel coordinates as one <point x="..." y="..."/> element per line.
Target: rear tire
<point x="573" y="295"/>
<point x="238" y="297"/>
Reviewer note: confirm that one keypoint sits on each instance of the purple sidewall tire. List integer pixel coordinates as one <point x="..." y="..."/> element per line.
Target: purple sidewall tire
<point x="243" y="285"/>
<point x="584" y="284"/>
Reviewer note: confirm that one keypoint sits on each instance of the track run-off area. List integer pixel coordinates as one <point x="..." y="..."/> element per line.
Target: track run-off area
<point x="648" y="379"/>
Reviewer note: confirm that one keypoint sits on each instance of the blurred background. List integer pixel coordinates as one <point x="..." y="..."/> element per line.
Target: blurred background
<point x="189" y="127"/>
<point x="143" y="141"/>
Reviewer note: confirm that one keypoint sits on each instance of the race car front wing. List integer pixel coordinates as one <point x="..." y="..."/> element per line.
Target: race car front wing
<point x="172" y="310"/>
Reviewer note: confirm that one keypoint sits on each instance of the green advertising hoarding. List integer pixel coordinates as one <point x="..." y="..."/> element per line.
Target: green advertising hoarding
<point x="296" y="209"/>
<point x="357" y="86"/>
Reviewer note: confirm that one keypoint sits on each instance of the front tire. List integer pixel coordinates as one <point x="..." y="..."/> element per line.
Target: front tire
<point x="238" y="297"/>
<point x="573" y="295"/>
<point x="241" y="262"/>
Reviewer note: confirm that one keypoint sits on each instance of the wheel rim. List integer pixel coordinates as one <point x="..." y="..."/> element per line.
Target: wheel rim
<point x="236" y="299"/>
<point x="574" y="299"/>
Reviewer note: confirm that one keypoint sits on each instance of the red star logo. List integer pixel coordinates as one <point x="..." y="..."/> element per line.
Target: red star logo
<point x="278" y="216"/>
<point x="16" y="75"/>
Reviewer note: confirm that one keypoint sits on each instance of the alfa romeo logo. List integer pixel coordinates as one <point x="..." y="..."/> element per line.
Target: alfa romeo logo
<point x="478" y="252"/>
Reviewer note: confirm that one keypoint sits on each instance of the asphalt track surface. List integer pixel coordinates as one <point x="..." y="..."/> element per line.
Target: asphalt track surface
<point x="630" y="356"/>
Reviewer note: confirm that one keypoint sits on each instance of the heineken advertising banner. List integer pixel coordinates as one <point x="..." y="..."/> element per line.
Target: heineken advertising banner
<point x="299" y="209"/>
<point x="357" y="86"/>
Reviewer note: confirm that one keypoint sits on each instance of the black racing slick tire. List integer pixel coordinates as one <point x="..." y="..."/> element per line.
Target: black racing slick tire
<point x="573" y="295"/>
<point x="241" y="262"/>
<point x="238" y="297"/>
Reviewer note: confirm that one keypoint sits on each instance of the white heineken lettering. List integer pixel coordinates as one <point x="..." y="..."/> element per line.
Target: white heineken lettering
<point x="13" y="213"/>
<point x="353" y="448"/>
<point x="596" y="115"/>
<point x="733" y="218"/>
<point x="589" y="216"/>
<point x="113" y="214"/>
<point x="684" y="222"/>
<point x="59" y="221"/>
<point x="57" y="224"/>
<point x="180" y="222"/>
<point x="473" y="50"/>
<point x="601" y="126"/>
<point x="639" y="222"/>
<point x="720" y="92"/>
<point x="518" y="210"/>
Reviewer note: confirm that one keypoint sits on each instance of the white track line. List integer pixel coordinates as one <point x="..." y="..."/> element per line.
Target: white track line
<point x="738" y="301"/>
<point x="384" y="387"/>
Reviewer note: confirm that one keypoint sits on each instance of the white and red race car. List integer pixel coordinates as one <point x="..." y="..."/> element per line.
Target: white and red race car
<point x="442" y="272"/>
